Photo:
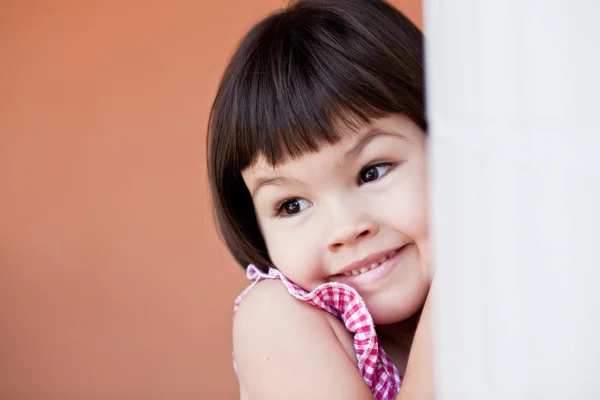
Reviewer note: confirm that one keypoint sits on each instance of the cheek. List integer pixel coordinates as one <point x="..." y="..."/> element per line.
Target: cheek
<point x="405" y="208"/>
<point x="294" y="252"/>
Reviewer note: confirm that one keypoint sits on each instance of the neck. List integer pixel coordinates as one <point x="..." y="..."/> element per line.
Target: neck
<point x="397" y="340"/>
<point x="400" y="334"/>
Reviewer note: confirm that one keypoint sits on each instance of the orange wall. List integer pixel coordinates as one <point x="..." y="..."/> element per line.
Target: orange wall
<point x="113" y="283"/>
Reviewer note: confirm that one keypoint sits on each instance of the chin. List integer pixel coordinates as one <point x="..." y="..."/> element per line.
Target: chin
<point x="383" y="317"/>
<point x="395" y="308"/>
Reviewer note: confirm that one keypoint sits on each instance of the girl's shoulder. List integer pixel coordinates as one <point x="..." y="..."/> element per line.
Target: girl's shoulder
<point x="287" y="348"/>
<point x="269" y="307"/>
<point x="292" y="343"/>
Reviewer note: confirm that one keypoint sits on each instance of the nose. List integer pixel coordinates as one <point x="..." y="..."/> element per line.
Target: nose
<point x="349" y="225"/>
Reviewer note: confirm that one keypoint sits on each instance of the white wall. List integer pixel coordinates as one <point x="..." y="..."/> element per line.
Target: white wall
<point x="514" y="106"/>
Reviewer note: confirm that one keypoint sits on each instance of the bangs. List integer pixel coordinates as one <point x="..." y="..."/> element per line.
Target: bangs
<point x="292" y="107"/>
<point x="301" y="87"/>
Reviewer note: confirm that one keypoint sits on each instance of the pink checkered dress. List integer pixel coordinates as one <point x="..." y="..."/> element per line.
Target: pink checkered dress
<point x="345" y="303"/>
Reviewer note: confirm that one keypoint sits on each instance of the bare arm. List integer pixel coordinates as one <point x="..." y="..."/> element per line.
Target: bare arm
<point x="285" y="349"/>
<point x="418" y="381"/>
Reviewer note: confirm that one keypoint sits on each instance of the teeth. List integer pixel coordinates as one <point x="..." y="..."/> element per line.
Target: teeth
<point x="372" y="266"/>
<point x="362" y="270"/>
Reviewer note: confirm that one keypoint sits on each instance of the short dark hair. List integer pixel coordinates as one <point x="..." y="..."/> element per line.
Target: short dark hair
<point x="297" y="76"/>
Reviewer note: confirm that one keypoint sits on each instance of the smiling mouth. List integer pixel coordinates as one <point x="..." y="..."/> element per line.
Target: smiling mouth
<point x="371" y="267"/>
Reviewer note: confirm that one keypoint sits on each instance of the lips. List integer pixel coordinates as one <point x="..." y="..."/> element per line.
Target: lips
<point x="369" y="263"/>
<point x="370" y="270"/>
<point x="368" y="266"/>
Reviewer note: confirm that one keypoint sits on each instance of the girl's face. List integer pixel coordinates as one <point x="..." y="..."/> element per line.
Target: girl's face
<point x="354" y="212"/>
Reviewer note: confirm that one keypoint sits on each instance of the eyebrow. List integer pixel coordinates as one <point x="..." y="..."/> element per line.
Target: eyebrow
<point x="368" y="137"/>
<point x="276" y="181"/>
<point x="352" y="153"/>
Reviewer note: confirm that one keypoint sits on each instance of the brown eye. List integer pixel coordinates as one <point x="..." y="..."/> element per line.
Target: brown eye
<point x="374" y="172"/>
<point x="292" y="207"/>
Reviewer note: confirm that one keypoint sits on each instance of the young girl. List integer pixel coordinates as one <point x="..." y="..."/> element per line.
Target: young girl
<point x="317" y="163"/>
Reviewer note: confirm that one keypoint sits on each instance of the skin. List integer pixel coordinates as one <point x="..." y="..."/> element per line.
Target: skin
<point x="321" y="215"/>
